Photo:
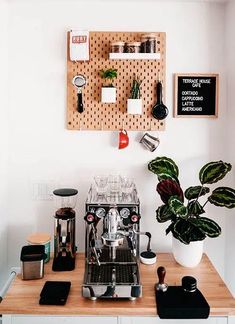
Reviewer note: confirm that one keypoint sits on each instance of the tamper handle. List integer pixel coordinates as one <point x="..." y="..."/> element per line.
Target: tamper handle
<point x="161" y="272"/>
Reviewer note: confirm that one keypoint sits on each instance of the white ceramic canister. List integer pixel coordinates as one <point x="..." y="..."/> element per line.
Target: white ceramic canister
<point x="41" y="239"/>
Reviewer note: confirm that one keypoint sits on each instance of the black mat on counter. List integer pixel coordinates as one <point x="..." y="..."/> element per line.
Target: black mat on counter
<point x="176" y="303"/>
<point x="54" y="293"/>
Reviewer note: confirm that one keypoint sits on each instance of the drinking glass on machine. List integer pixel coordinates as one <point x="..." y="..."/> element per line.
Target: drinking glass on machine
<point x="114" y="185"/>
<point x="127" y="187"/>
<point x="101" y="182"/>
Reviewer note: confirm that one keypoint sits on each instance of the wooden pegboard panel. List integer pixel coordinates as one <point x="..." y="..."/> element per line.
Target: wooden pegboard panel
<point x="99" y="116"/>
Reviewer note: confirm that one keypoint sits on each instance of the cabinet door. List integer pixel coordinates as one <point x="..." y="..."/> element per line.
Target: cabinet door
<point x="63" y="320"/>
<point x="157" y="320"/>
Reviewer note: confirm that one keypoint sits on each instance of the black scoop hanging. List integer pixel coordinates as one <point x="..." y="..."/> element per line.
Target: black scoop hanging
<point x="159" y="110"/>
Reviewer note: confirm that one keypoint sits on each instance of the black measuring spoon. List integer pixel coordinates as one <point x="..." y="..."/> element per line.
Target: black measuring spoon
<point x="159" y="110"/>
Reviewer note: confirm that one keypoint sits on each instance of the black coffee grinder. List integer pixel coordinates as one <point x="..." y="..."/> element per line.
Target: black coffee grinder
<point x="64" y="230"/>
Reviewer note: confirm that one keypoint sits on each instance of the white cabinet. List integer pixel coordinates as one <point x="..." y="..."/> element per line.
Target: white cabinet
<point x="157" y="320"/>
<point x="62" y="320"/>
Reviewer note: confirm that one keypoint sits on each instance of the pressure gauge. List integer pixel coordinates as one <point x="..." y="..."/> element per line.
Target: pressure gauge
<point x="100" y="212"/>
<point x="125" y="213"/>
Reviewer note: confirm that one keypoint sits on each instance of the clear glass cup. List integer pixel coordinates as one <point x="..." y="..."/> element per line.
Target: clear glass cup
<point x="101" y="182"/>
<point x="114" y="183"/>
<point x="127" y="185"/>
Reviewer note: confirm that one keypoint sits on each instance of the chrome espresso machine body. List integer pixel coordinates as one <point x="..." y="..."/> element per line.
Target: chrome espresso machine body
<point x="112" y="244"/>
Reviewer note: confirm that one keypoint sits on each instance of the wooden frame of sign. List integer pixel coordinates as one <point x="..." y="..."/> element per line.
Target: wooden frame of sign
<point x="196" y="95"/>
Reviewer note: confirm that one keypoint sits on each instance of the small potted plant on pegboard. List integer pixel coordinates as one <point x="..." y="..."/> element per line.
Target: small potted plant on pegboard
<point x="108" y="91"/>
<point x="134" y="103"/>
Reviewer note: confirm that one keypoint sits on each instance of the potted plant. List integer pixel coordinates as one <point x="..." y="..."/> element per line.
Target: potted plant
<point x="188" y="225"/>
<point x="134" y="103"/>
<point x="108" y="91"/>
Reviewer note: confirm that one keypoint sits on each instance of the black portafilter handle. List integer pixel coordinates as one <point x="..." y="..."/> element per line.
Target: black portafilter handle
<point x="189" y="284"/>
<point x="159" y="92"/>
<point x="161" y="285"/>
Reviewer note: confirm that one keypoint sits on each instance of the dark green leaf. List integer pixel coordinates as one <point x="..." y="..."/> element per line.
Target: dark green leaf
<point x="170" y="228"/>
<point x="223" y="197"/>
<point x="214" y="171"/>
<point x="209" y="227"/>
<point x="177" y="207"/>
<point x="165" y="176"/>
<point x="194" y="208"/>
<point x="163" y="214"/>
<point x="180" y="230"/>
<point x="163" y="165"/>
<point x="193" y="192"/>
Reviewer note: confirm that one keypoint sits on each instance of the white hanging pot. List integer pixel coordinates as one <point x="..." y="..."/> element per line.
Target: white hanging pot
<point x="187" y="255"/>
<point x="108" y="94"/>
<point x="134" y="106"/>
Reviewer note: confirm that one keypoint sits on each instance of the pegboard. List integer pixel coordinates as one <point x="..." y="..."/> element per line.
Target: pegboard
<point x="103" y="116"/>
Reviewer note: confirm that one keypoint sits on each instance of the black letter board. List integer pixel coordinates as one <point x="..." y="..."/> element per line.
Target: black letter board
<point x="196" y="95"/>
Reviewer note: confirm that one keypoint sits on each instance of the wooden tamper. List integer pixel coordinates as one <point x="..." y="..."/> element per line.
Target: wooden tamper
<point x="161" y="285"/>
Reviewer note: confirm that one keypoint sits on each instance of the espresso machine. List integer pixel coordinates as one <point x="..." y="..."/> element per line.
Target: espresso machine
<point x="64" y="229"/>
<point x="112" y="241"/>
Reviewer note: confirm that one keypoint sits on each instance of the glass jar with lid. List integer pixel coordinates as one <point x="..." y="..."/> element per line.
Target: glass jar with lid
<point x="149" y="43"/>
<point x="133" y="47"/>
<point x="117" y="47"/>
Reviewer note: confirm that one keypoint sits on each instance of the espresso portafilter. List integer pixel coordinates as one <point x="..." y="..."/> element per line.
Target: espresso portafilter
<point x="112" y="238"/>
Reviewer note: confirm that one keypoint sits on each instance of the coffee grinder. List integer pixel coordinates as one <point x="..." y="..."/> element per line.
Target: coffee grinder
<point x="64" y="230"/>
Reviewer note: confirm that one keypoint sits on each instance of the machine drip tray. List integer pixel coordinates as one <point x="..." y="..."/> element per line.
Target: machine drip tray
<point x="116" y="273"/>
<point x="122" y="255"/>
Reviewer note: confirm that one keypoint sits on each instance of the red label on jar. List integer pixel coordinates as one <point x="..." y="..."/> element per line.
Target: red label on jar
<point x="79" y="39"/>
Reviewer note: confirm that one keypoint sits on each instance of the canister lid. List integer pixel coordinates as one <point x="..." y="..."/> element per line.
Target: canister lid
<point x="189" y="283"/>
<point x="147" y="36"/>
<point x="33" y="253"/>
<point x="38" y="238"/>
<point x="118" y="43"/>
<point x="65" y="192"/>
<point x="134" y="44"/>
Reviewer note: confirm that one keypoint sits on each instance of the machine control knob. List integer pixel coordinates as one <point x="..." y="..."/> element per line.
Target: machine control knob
<point x="135" y="218"/>
<point x="89" y="218"/>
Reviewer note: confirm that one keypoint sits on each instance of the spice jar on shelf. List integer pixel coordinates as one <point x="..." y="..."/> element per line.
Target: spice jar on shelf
<point x="149" y="43"/>
<point x="117" y="47"/>
<point x="133" y="47"/>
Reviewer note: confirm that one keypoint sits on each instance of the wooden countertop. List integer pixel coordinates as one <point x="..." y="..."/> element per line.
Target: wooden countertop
<point x="23" y="296"/>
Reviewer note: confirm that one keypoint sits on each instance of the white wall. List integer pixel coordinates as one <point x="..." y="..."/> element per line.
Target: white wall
<point x="3" y="139"/>
<point x="42" y="149"/>
<point x="230" y="54"/>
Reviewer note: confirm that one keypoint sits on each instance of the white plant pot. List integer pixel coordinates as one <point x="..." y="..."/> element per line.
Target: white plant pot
<point x="108" y="95"/>
<point x="134" y="106"/>
<point x="187" y="255"/>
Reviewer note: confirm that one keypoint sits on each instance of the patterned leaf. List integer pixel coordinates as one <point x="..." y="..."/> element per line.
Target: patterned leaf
<point x="163" y="165"/>
<point x="209" y="227"/>
<point x="193" y="192"/>
<point x="168" y="188"/>
<point x="177" y="207"/>
<point x="223" y="197"/>
<point x="194" y="208"/>
<point x="163" y="214"/>
<point x="214" y="171"/>
<point x="165" y="176"/>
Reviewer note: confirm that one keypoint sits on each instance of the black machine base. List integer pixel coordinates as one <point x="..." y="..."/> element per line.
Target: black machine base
<point x="177" y="303"/>
<point x="63" y="263"/>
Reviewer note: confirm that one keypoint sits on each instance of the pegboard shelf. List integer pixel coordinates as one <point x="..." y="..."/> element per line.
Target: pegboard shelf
<point x="110" y="117"/>
<point x="134" y="56"/>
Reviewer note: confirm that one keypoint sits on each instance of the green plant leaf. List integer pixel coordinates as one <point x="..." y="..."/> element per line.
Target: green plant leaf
<point x="209" y="227"/>
<point x="163" y="214"/>
<point x="170" y="228"/>
<point x="214" y="171"/>
<point x="223" y="197"/>
<point x="165" y="176"/>
<point x="180" y="230"/>
<point x="194" y="208"/>
<point x="163" y="165"/>
<point x="193" y="192"/>
<point x="177" y="207"/>
<point x="195" y="234"/>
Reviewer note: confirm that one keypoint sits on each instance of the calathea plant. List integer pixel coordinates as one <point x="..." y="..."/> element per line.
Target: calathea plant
<point x="186" y="221"/>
